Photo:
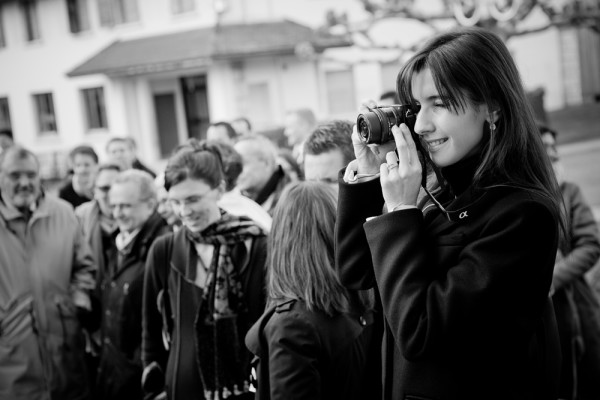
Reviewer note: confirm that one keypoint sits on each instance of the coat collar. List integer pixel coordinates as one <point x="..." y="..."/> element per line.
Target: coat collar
<point x="10" y="213"/>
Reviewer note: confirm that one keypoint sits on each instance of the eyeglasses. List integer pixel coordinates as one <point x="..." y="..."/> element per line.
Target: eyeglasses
<point x="103" y="189"/>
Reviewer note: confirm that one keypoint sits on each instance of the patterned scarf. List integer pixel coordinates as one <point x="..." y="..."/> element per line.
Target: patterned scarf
<point x="220" y="325"/>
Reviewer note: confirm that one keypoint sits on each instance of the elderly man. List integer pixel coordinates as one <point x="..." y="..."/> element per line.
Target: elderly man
<point x="46" y="274"/>
<point x="132" y="198"/>
<point x="262" y="179"/>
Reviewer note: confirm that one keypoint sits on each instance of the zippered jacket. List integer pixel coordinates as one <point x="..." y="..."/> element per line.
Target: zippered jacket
<point x="46" y="274"/>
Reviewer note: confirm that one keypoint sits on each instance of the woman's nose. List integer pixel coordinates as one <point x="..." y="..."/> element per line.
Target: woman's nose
<point x="423" y="123"/>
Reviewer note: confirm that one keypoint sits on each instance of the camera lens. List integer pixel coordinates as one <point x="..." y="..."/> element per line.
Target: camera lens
<point x="369" y="127"/>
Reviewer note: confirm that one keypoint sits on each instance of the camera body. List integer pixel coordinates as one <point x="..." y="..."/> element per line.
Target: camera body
<point x="375" y="126"/>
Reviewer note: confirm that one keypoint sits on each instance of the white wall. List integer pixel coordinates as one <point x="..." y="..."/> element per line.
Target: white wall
<point x="29" y="68"/>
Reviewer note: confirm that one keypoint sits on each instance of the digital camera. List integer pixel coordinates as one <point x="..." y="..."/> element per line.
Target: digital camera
<point x="375" y="126"/>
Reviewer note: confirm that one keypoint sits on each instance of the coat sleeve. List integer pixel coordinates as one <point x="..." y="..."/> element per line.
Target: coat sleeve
<point x="155" y="283"/>
<point x="497" y="287"/>
<point x="293" y="359"/>
<point x="356" y="203"/>
<point x="83" y="276"/>
<point x="583" y="240"/>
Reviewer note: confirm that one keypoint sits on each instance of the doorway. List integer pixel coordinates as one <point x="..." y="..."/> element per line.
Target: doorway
<point x="166" y="122"/>
<point x="195" y="99"/>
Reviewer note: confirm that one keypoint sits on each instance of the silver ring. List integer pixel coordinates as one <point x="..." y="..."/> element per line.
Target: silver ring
<point x="392" y="166"/>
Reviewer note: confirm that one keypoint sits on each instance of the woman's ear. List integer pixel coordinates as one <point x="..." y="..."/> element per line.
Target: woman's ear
<point x="493" y="115"/>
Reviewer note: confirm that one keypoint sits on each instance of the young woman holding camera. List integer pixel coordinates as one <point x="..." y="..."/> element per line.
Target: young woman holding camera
<point x="465" y="278"/>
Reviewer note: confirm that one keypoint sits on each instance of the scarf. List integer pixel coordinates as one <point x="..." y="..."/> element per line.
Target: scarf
<point x="221" y="323"/>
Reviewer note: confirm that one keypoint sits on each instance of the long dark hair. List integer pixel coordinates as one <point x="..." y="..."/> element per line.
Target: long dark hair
<point x="472" y="66"/>
<point x="301" y="249"/>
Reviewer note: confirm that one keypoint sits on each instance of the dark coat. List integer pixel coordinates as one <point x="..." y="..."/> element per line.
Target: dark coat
<point x="466" y="303"/>
<point x="304" y="354"/>
<point x="120" y="370"/>
<point x="168" y="284"/>
<point x="68" y="193"/>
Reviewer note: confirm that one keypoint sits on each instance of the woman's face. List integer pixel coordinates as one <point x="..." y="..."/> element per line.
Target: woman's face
<point x="194" y="202"/>
<point x="448" y="136"/>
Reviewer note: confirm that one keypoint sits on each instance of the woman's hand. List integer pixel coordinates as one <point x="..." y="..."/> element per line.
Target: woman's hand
<point x="369" y="157"/>
<point x="401" y="175"/>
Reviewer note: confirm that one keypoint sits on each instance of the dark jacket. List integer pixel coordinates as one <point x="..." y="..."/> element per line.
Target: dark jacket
<point x="120" y="370"/>
<point x="466" y="303"/>
<point x="69" y="194"/>
<point x="168" y="286"/>
<point x="304" y="354"/>
<point x="269" y="194"/>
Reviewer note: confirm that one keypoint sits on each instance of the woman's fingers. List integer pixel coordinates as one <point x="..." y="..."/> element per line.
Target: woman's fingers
<point x="401" y="145"/>
<point x="407" y="149"/>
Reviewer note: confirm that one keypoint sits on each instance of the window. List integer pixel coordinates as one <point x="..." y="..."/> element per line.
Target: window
<point x="95" y="112"/>
<point x="340" y="91"/>
<point x="183" y="6"/>
<point x="2" y="39"/>
<point x="78" y="16"/>
<point x="4" y="115"/>
<point x="115" y="12"/>
<point x="30" y="19"/>
<point x="45" y="113"/>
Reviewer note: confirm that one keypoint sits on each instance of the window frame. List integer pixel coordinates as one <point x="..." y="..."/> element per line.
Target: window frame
<point x="78" y="16"/>
<point x="94" y="105"/>
<point x="118" y="12"/>
<point x="45" y="113"/>
<point x="5" y="114"/>
<point x="31" y="20"/>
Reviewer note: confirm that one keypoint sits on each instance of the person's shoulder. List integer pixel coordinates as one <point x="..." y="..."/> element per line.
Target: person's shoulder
<point x="56" y="205"/>
<point x="86" y="208"/>
<point x="66" y="189"/>
<point x="289" y="315"/>
<point x="513" y="201"/>
<point x="163" y="240"/>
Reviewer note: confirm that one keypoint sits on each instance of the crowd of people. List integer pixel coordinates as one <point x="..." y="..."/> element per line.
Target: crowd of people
<point x="451" y="261"/>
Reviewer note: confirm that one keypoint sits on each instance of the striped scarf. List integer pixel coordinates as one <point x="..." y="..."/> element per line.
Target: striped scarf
<point x="222" y="355"/>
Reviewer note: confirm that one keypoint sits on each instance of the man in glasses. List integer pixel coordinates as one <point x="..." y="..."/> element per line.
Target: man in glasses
<point x="133" y="202"/>
<point x="99" y="229"/>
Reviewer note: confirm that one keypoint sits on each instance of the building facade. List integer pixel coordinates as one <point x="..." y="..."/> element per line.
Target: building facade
<point x="82" y="71"/>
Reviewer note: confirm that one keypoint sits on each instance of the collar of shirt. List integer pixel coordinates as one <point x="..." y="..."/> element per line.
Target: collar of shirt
<point x="123" y="239"/>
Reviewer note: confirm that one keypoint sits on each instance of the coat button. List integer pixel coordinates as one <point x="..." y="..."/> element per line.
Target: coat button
<point x="106" y="341"/>
<point x="113" y="284"/>
<point x="363" y="322"/>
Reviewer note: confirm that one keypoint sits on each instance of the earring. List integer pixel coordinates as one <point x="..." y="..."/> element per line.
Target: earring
<point x="492" y="127"/>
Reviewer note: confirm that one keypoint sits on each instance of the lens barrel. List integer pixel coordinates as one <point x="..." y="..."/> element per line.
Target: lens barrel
<point x="375" y="126"/>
